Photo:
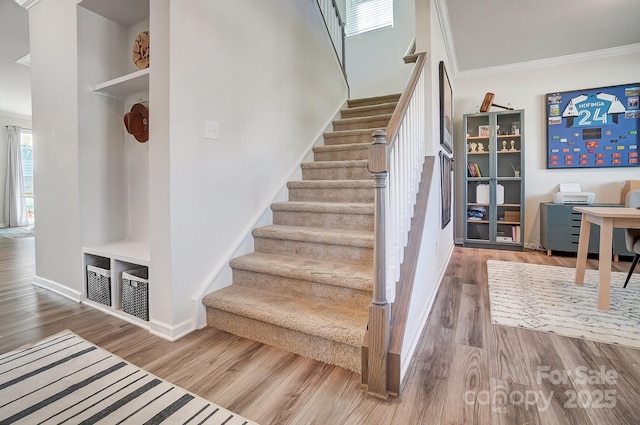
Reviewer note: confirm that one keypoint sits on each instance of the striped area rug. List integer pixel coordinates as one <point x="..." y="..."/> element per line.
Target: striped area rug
<point x="66" y="379"/>
<point x="545" y="298"/>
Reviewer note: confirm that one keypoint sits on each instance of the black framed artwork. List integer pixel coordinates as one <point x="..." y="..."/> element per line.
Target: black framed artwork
<point x="445" y="189"/>
<point x="446" y="110"/>
<point x="594" y="128"/>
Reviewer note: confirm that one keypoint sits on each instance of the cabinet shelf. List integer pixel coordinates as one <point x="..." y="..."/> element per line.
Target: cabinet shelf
<point x="130" y="251"/>
<point x="478" y="138"/>
<point x="503" y="152"/>
<point x="507" y="136"/>
<point x="125" y="85"/>
<point x="478" y="153"/>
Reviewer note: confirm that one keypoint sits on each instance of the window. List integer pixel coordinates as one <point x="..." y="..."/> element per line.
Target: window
<point x="368" y="15"/>
<point x="26" y="148"/>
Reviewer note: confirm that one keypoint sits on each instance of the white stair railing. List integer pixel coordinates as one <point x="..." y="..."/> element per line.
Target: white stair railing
<point x="397" y="153"/>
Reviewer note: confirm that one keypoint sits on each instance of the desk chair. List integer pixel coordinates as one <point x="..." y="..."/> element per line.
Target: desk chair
<point x="632" y="236"/>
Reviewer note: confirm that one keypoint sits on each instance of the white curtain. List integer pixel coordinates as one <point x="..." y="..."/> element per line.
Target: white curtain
<point x="15" y="207"/>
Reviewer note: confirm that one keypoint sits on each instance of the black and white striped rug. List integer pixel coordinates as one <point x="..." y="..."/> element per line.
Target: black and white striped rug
<point x="66" y="379"/>
<point x="545" y="298"/>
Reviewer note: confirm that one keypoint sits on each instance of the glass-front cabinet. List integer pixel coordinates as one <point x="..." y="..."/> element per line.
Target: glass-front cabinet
<point x="494" y="186"/>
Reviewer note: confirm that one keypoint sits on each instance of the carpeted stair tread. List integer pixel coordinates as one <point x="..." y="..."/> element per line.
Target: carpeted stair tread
<point x="328" y="207"/>
<point x="370" y="121"/>
<point x="375" y="100"/>
<point x="350" y="136"/>
<point x="334" y="164"/>
<point x="342" y="147"/>
<point x="341" y="325"/>
<point x="326" y="272"/>
<point x="330" y="184"/>
<point x="355" y="238"/>
<point x="362" y="111"/>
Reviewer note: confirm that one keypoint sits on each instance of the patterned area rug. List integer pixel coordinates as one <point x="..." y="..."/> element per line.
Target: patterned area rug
<point x="545" y="298"/>
<point x="16" y="232"/>
<point x="64" y="378"/>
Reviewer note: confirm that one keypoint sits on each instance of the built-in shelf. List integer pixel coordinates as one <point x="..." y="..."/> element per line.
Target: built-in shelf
<point x="516" y="151"/>
<point x="136" y="252"/>
<point x="127" y="84"/>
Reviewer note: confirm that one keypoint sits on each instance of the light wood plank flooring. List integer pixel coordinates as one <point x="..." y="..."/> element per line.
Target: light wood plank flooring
<point x="463" y="361"/>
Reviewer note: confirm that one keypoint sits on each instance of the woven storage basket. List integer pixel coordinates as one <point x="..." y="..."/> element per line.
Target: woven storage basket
<point x="99" y="283"/>
<point x="135" y="293"/>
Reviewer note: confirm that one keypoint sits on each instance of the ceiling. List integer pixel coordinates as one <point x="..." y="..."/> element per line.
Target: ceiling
<point x="480" y="35"/>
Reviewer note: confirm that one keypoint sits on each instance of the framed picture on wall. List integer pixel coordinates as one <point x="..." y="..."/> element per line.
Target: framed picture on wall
<point x="445" y="189"/>
<point x="594" y="128"/>
<point x="446" y="110"/>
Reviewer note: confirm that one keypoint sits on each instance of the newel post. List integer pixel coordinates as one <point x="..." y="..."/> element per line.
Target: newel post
<point x="379" y="310"/>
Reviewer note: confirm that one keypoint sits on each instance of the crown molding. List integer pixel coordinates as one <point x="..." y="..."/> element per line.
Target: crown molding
<point x="27" y="4"/>
<point x="558" y="60"/>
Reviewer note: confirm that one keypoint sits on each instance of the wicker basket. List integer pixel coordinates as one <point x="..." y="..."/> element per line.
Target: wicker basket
<point x="99" y="283"/>
<point x="135" y="293"/>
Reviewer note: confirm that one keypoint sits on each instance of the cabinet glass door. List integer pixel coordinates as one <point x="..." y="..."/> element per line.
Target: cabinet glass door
<point x="508" y="174"/>
<point x="478" y="181"/>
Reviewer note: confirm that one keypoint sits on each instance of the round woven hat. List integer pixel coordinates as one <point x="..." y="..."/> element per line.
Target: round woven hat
<point x="137" y="122"/>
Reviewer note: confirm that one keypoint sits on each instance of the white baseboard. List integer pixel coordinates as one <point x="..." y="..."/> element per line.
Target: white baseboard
<point x="161" y="329"/>
<point x="171" y="333"/>
<point x="59" y="289"/>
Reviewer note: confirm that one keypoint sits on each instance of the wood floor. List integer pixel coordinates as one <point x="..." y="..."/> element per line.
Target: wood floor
<point x="466" y="370"/>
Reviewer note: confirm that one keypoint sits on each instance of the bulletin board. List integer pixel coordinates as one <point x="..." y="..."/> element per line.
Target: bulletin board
<point x="593" y="128"/>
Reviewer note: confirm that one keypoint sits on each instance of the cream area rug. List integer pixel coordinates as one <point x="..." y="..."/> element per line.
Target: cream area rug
<point x="66" y="379"/>
<point x="545" y="298"/>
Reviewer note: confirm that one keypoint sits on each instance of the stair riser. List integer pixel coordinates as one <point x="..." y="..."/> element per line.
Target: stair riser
<point x="324" y="220"/>
<point x="331" y="195"/>
<point x="343" y="140"/>
<point x="315" y="250"/>
<point x="352" y="154"/>
<point x="354" y="113"/>
<point x="353" y="103"/>
<point x="338" y="173"/>
<point x="372" y="123"/>
<point x="342" y="355"/>
<point x="312" y="291"/>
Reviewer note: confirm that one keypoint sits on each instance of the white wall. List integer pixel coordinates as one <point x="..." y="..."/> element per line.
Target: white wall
<point x="55" y="144"/>
<point x="5" y="120"/>
<point x="374" y="59"/>
<point x="271" y="81"/>
<point x="437" y="243"/>
<point x="525" y="89"/>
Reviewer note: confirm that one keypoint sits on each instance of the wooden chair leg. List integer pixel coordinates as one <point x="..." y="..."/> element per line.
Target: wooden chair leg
<point x="633" y="266"/>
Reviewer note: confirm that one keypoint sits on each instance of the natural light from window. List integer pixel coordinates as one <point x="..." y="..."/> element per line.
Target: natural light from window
<point x="26" y="148"/>
<point x="368" y="15"/>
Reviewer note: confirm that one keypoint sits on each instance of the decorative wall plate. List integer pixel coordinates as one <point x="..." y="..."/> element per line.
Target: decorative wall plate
<point x="141" y="50"/>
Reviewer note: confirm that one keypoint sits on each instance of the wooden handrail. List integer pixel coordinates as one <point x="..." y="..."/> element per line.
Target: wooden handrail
<point x="411" y="56"/>
<point x="405" y="98"/>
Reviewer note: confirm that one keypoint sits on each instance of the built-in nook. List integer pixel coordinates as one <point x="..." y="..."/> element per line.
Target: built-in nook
<point x="114" y="166"/>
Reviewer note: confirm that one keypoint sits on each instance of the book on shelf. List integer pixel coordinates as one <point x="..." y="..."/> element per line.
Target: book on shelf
<point x="474" y="170"/>
<point x="515" y="233"/>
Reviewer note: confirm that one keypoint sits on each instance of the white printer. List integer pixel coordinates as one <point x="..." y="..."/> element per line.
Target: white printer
<point x="570" y="193"/>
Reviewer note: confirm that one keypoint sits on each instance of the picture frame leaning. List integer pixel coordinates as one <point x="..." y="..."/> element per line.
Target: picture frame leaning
<point x="446" y="110"/>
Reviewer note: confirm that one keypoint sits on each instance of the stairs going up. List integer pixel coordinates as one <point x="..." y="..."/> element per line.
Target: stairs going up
<point x="308" y="285"/>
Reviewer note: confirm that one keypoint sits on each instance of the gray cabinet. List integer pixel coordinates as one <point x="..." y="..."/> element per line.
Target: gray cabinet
<point x="560" y="230"/>
<point x="494" y="185"/>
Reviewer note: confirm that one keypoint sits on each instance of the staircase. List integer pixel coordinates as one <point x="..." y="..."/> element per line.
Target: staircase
<point x="308" y="285"/>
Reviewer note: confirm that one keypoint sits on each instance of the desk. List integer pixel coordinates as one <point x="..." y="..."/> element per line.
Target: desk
<point x="607" y="218"/>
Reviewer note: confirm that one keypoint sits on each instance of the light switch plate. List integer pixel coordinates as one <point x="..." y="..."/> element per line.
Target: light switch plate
<point x="211" y="130"/>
